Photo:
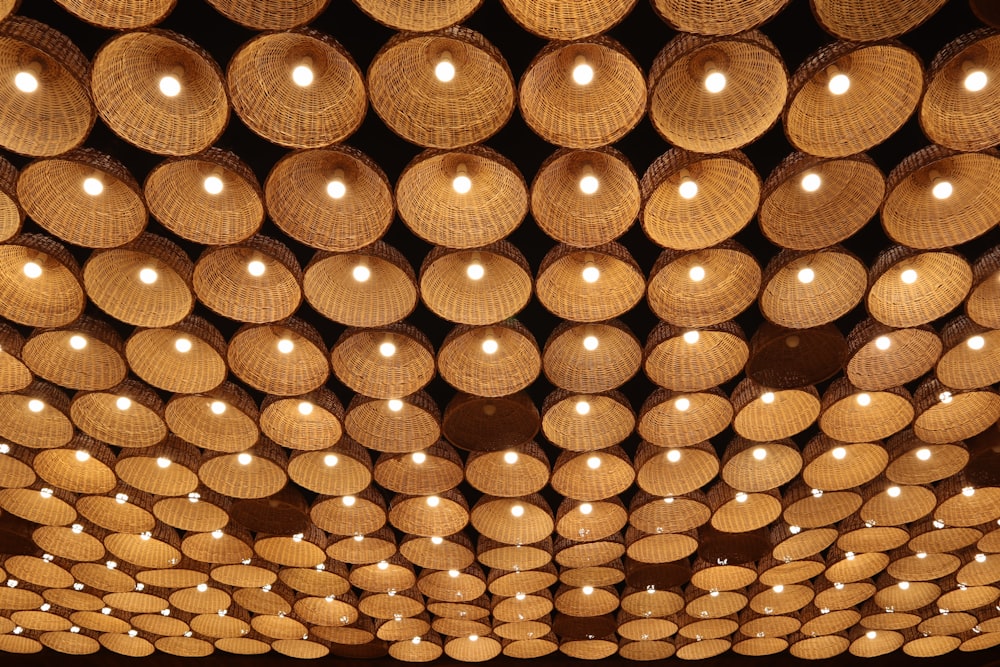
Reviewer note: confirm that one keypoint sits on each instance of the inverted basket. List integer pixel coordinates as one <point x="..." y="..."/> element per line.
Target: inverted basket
<point x="668" y="421"/>
<point x="562" y="288"/>
<point x="943" y="279"/>
<point x="863" y="22"/>
<point x="119" y="15"/>
<point x="910" y="353"/>
<point x="834" y="287"/>
<point x="281" y="16"/>
<point x="55" y="297"/>
<point x="465" y="362"/>
<point x="259" y="355"/>
<point x="155" y="356"/>
<point x="717" y="17"/>
<point x="556" y="20"/>
<point x="569" y="363"/>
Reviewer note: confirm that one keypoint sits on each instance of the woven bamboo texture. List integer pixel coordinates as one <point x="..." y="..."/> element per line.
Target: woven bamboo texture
<point x="501" y="291"/>
<point x="55" y="297"/>
<point x="864" y="23"/>
<point x="562" y="288"/>
<point x="569" y="363"/>
<point x="942" y="280"/>
<point x="838" y="281"/>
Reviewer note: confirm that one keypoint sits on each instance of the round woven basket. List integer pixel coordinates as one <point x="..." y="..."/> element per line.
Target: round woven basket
<point x="531" y="607"/>
<point x="331" y="579"/>
<point x="679" y="514"/>
<point x="710" y="576"/>
<point x="298" y="197"/>
<point x="299" y="550"/>
<point x="201" y="510"/>
<point x="886" y="81"/>
<point x="849" y="194"/>
<point x="284" y="15"/>
<point x="425" y="516"/>
<point x="427" y="649"/>
<point x="789" y="411"/>
<point x="555" y="20"/>
<point x="472" y="648"/>
<point x="852" y="416"/>
<point x="792" y="358"/>
<point x="563" y="290"/>
<point x="909" y="355"/>
<point x="125" y="80"/>
<point x="158" y="549"/>
<point x="58" y="117"/>
<point x="788" y="599"/>
<point x="934" y="536"/>
<point x="726" y="197"/>
<point x="129" y="645"/>
<point x="53" y="299"/>
<point x="326" y="111"/>
<point x="494" y="518"/>
<point x="592" y="476"/>
<point x="739" y="512"/>
<point x="99" y="363"/>
<point x="221" y="420"/>
<point x="121" y="510"/>
<point x="366" y="515"/>
<point x="15" y="466"/>
<point x="919" y="645"/>
<point x="434" y="470"/>
<point x="566" y="113"/>
<point x="387" y="296"/>
<point x="759" y="466"/>
<point x="441" y="585"/>
<point x="909" y="464"/>
<point x="658" y="548"/>
<point x="835" y="284"/>
<point x="598" y="648"/>
<point x="371" y="548"/>
<point x="453" y="553"/>
<point x="48" y="428"/>
<point x="845" y="596"/>
<point x="396" y="575"/>
<point x="417" y="16"/>
<point x="52" y="192"/>
<point x="960" y="503"/>
<point x="283" y="513"/>
<point x="572" y="216"/>
<point x="858" y="463"/>
<point x="491" y="473"/>
<point x="948" y="415"/>
<point x="116" y="14"/>
<point x="730" y="284"/>
<point x="942" y="281"/>
<point x="856" y="569"/>
<point x="963" y="366"/>
<point x="819" y="647"/>
<point x="864" y="645"/>
<point x="503" y="288"/>
<point x="980" y="304"/>
<point x="888" y="504"/>
<point x="584" y="423"/>
<point x="374" y="424"/>
<point x="437" y="212"/>
<point x="464" y="364"/>
<point x="223" y="282"/>
<point x="591" y="521"/>
<point x="715" y="355"/>
<point x="913" y="216"/>
<point x="691" y="117"/>
<point x="716" y="17"/>
<point x="674" y="472"/>
<point x="774" y="572"/>
<point x="574" y="601"/>
<point x="256" y="356"/>
<point x="663" y="422"/>
<point x="862" y="22"/>
<point x="64" y="468"/>
<point x="569" y="363"/>
<point x="154" y="356"/>
<point x="417" y="106"/>
<point x="310" y="422"/>
<point x="806" y="507"/>
<point x="709" y="611"/>
<point x="263" y="476"/>
<point x="167" y="469"/>
<point x="176" y="195"/>
<point x="11" y="213"/>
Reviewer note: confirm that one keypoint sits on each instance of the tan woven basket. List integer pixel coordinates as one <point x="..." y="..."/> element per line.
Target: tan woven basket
<point x="406" y="604"/>
<point x="130" y="646"/>
<point x="942" y="281"/>
<point x="396" y="575"/>
<point x="389" y="295"/>
<point x="330" y="580"/>
<point x="464" y="363"/>
<point x="256" y="355"/>
<point x="201" y="510"/>
<point x="671" y="419"/>
<point x="979" y="305"/>
<point x="730" y="284"/>
<point x="919" y="645"/>
<point x="16" y="468"/>
<point x="472" y="648"/>
<point x="584" y="423"/>
<point x="718" y="352"/>
<point x="566" y="113"/>
<point x="961" y="504"/>
<point x="260" y="83"/>
<point x="849" y="415"/>
<point x="582" y="219"/>
<point x="726" y="198"/>
<point x="574" y="601"/>
<point x="759" y="466"/>
<point x="789" y="411"/>
<point x="159" y="548"/>
<point x="590" y="521"/>
<point x="374" y="423"/>
<point x="53" y="299"/>
<point x="835" y="284"/>
<point x="887" y="507"/>
<point x="497" y="555"/>
<point x="48" y="428"/>
<point x="503" y="288"/>
<point x="416" y="105"/>
<point x="859" y="462"/>
<point x="427" y="649"/>
<point x="474" y="610"/>
<point x="354" y="515"/>
<point x="569" y="363"/>
<point x="716" y="18"/>
<point x="703" y="606"/>
<point x="371" y="548"/>
<point x="434" y="470"/>
<point x="415" y="16"/>
<point x="962" y="365"/>
<point x="70" y="643"/>
<point x="886" y="80"/>
<point x="154" y="356"/>
<point x="935" y="536"/>
<point x="710" y="576"/>
<point x="496" y="519"/>
<point x="674" y="472"/>
<point x="531" y="648"/>
<point x="863" y="22"/>
<point x="691" y="117"/>
<point x="441" y="585"/>
<point x="680" y="514"/>
<point x="739" y="512"/>
<point x="124" y="79"/>
<point x="555" y="20"/>
<point x="121" y="510"/>
<point x="57" y="356"/>
<point x="592" y="476"/>
<point x="909" y="355"/>
<point x="818" y="647"/>
<point x="452" y="553"/>
<point x="774" y="572"/>
<point x="310" y="422"/>
<point x="221" y="420"/>
<point x="299" y="550"/>
<point x="805" y="507"/>
<point x="440" y="514"/>
<point x="845" y="596"/>
<point x="598" y="648"/>
<point x="281" y="16"/>
<point x="11" y="213"/>
<point x="176" y="195"/>
<point x="865" y="646"/>
<point x="60" y="117"/>
<point x="562" y="288"/>
<point x="787" y="358"/>
<point x="64" y="468"/>
<point x="655" y="603"/>
<point x="947" y="415"/>
<point x="659" y="547"/>
<point x="442" y="213"/>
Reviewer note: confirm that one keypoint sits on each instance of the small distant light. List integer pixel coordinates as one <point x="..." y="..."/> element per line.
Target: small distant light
<point x="46" y="492"/>
<point x="806" y="275"/>
<point x="475" y="271"/>
<point x="17" y="630"/>
<point x="945" y="397"/>
<point x="330" y="460"/>
<point x="587" y="590"/>
<point x="395" y="405"/>
<point x="433" y="501"/>
<point x="582" y="408"/>
<point x="975" y="80"/>
<point x="148" y="276"/>
<point x="77" y="342"/>
<point x="348" y="501"/>
<point x="893" y="491"/>
<point x="838" y="585"/>
<point x="359" y="538"/>
<point x="921" y="555"/>
<point x="336" y="189"/>
<point x="510" y="458"/>
<point x="590" y="343"/>
<point x="838" y="453"/>
<point x="217" y="407"/>
<point x="473" y="638"/>
<point x="302" y="75"/>
<point x="691" y="337"/>
<point x="244" y="458"/>
<point x="82" y="455"/>
<point x="759" y="453"/>
<point x="45" y="606"/>
<point x="256" y="268"/>
<point x="586" y="508"/>
<point x="170" y="86"/>
<point x="453" y="574"/>
<point x="517" y="510"/>
<point x="741" y="497"/>
<point x="980" y="558"/>
<point x="715" y="82"/>
<point x="202" y="587"/>
<point x="382" y="565"/>
<point x="591" y="274"/>
<point x="93" y="186"/>
<point x="213" y="185"/>
<point x="669" y="500"/>
<point x="77" y="528"/>
<point x="904" y="585"/>
<point x="871" y="634"/>
<point x="490" y="346"/>
<point x="305" y="408"/>
<point x="519" y="596"/>
<point x="909" y="276"/>
<point x="682" y="404"/>
<point x="713" y="593"/>
<point x="111" y="565"/>
<point x="218" y="534"/>
<point x="36" y="405"/>
<point x="923" y="454"/>
<point x="767" y="397"/>
<point x="938" y="523"/>
<point x="361" y="273"/>
<point x="415" y="640"/>
<point x="437" y="540"/>
<point x="976" y="342"/>
<point x="32" y="270"/>
<point x="942" y="189"/>
<point x="883" y="342"/>
<point x="839" y="84"/>
<point x="594" y="462"/>
<point x="4" y="448"/>
<point x="811" y="182"/>
<point x="687" y="189"/>
<point x="864" y="400"/>
<point x="182" y="345"/>
<point x="778" y="589"/>
<point x="817" y="493"/>
<point x="674" y="455"/>
<point x="165" y="611"/>
<point x="794" y="530"/>
<point x="297" y="537"/>
<point x="589" y="184"/>
<point x="194" y="497"/>
<point x="968" y="491"/>
<point x="418" y="457"/>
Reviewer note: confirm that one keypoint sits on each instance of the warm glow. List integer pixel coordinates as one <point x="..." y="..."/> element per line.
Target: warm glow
<point x="182" y="345"/>
<point x="591" y="273"/>
<point x="759" y="453"/>
<point x="923" y="454"/>
<point x="582" y="408"/>
<point x="691" y="337"/>
<point x="968" y="491"/>
<point x="587" y="590"/>
<point x="163" y="462"/>
<point x="839" y="84"/>
<point x="715" y="82"/>
<point x="942" y="189"/>
<point x="32" y="270"/>
<point x="26" y="82"/>
<point x="688" y="189"/>
<point x="418" y="458"/>
<point x="93" y="186"/>
<point x="82" y="455"/>
<point x="437" y="540"/>
<point x="589" y="184"/>
<point x="510" y="458"/>
<point x="336" y="189"/>
<point x="871" y="634"/>
<point x="909" y="276"/>
<point x="348" y="501"/>
<point x="976" y="342"/>
<point x="696" y="274"/>
<point x="218" y="407"/>
<point x="305" y="408"/>
<point x="767" y="397"/>
<point x="490" y="346"/>
<point x="583" y="73"/>
<point x="382" y="565"/>
<point x="838" y="453"/>
<point x="674" y="455"/>
<point x="811" y="182"/>
<point x="453" y="574"/>
<point x="893" y="491"/>
<point x="806" y="275"/>
<point x="975" y="80"/>
<point x="433" y="501"/>
<point x="123" y="403"/>
<point x="517" y="510"/>
<point x="945" y="397"/>
<point x="170" y="86"/>
<point x="35" y="405"/>
<point x="77" y="342"/>
<point x="330" y="460"/>
<point x="213" y="185"/>
<point x="256" y="268"/>
<point x="285" y="346"/>
<point x="475" y="271"/>
<point x="361" y="273"/>
<point x="586" y="508"/>
<point x="741" y="497"/>
<point x="302" y="75"/>
<point x="980" y="558"/>
<point x="778" y="589"/>
<point x="148" y="276"/>
<point x="244" y="458"/>
<point x="864" y="400"/>
<point x="904" y="585"/>
<point x="444" y="70"/>
<point x="594" y="462"/>
<point x="590" y="343"/>
<point x="395" y="404"/>
<point x="883" y="343"/>
<point x="682" y="404"/>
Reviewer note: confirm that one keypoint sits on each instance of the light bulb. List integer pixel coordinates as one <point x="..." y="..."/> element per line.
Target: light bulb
<point x="217" y="407"/>
<point x="330" y="460"/>
<point x="395" y="404"/>
<point x="170" y="86"/>
<point x="945" y="397"/>
<point x="517" y="510"/>
<point x="591" y="273"/>
<point x="871" y="634"/>
<point x="794" y="530"/>
<point x="909" y="276"/>
<point x="691" y="337"/>
<point x="583" y="73"/>
<point x="382" y="565"/>
<point x="510" y="458"/>
<point x="741" y="497"/>
<point x="520" y="596"/>
<point x="968" y="491"/>
<point x="839" y="84"/>
<point x="473" y="638"/>
<point x="415" y="640"/>
<point x="461" y="184"/>
<point x="32" y="270"/>
<point x="349" y="501"/>
<point x="838" y="453"/>
<point x="26" y="82"/>
<point x="893" y="491"/>
<point x="980" y="558"/>
<point x="163" y="462"/>
<point x="35" y="405"/>
<point x="688" y="189"/>
<point x="864" y="400"/>
<point x="77" y="342"/>
<point x="582" y="408"/>
<point x="682" y="404"/>
<point x="453" y="574"/>
<point x="594" y="462"/>
<point x="588" y="590"/>
<point x="244" y="458"/>
<point x="942" y="189"/>
<point x="433" y="501"/>
<point x="82" y="455"/>
<point x="305" y="408"/>
<point x="182" y="345"/>
<point x="674" y="455"/>
<point x="213" y="185"/>
<point x="586" y="508"/>
<point x="811" y="182"/>
<point x="256" y="268"/>
<point x="202" y="587"/>
<point x="696" y="273"/>
<point x="589" y="184"/>
<point x="903" y="585"/>
<point x="883" y="343"/>
<point x="302" y="75"/>
<point x="418" y="457"/>
<point x="806" y="275"/>
<point x="767" y="397"/>
<point x="490" y="346"/>
<point x="976" y="342"/>
<point x="975" y="80"/>
<point x="336" y="189"/>
<point x="285" y="346"/>
<point x="93" y="186"/>
<point x="123" y="403"/>
<point x="759" y="453"/>
<point x="437" y="540"/>
<point x="778" y="589"/>
<point x="590" y="343"/>
<point x="475" y="271"/>
<point x="444" y="70"/>
<point x="923" y="454"/>
<point x="361" y="273"/>
<point x="148" y="276"/>
<point x="921" y="555"/>
<point x="715" y="82"/>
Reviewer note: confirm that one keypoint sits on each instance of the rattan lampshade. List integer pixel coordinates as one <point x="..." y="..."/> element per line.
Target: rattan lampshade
<point x="862" y="22"/>
<point x="592" y="476"/>
<point x="126" y="81"/>
<point x="221" y="420"/>
<point x="586" y="422"/>
<point x="500" y="520"/>
<point x="673" y="472"/>
<point x="849" y="467"/>
<point x="119" y="15"/>
<point x="599" y="112"/>
<point x="850" y="415"/>
<point x="805" y="507"/>
<point x="11" y="213"/>
<point x="465" y="362"/>
<point x="967" y="362"/>
<point x="691" y="117"/>
<point x="444" y="513"/>
<point x="716" y="18"/>
<point x="885" y="83"/>
<point x="604" y="281"/>
<point x="309" y="422"/>
<point x="415" y="104"/>
<point x="476" y="423"/>
<point x="913" y="461"/>
<point x="49" y="427"/>
<point x="87" y="354"/>
<point x="59" y="117"/>
<point x="945" y="415"/>
<point x="979" y="305"/>
<point x="177" y="196"/>
<point x="201" y="510"/>
<point x="938" y="282"/>
<point x="128" y="415"/>
<point x="694" y="360"/>
<point x="286" y="358"/>
<point x="164" y="360"/>
<point x="676" y="419"/>
<point x="572" y="361"/>
<point x="434" y="470"/>
<point x="54" y="296"/>
<point x="804" y="289"/>
<point x="344" y="470"/>
<point x="376" y="424"/>
<point x="476" y="286"/>
<point x="167" y="469"/>
<point x="759" y="466"/>
<point x="764" y="415"/>
<point x="881" y="357"/>
<point x="492" y="473"/>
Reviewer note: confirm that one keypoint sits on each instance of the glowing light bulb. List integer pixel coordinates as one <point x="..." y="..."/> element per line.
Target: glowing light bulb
<point x="864" y="400"/>
<point x="82" y="455"/>
<point x="794" y="530"/>
<point x="893" y="491"/>
<point x="461" y="183"/>
<point x="811" y="182"/>
<point x="691" y="337"/>
<point x="395" y="404"/>
<point x="715" y="82"/>
<point x="26" y="82"/>
<point x="453" y="574"/>
<point x="202" y="587"/>
<point x="336" y="189"/>
<point x="123" y="403"/>
<point x="674" y="455"/>
<point x="688" y="189"/>
<point x="382" y="565"/>
<point x="583" y="73"/>
<point x="473" y="638"/>
<point x="302" y="75"/>
<point x="806" y="275"/>
<point x="975" y="80"/>
<point x="909" y="276"/>
<point x="305" y="408"/>
<point x="32" y="270"/>
<point x="182" y="345"/>
<point x="35" y="405"/>
<point x="212" y="185"/>
<point x="871" y="634"/>
<point x="968" y="491"/>
<point x="682" y="404"/>
<point x="741" y="497"/>
<point x="942" y="189"/>
<point x="77" y="342"/>
<point x="923" y="454"/>
<point x="437" y="540"/>
<point x="520" y="596"/>
<point x="330" y="460"/>
<point x="256" y="268"/>
<point x="148" y="276"/>
<point x="361" y="273"/>
<point x="586" y="508"/>
<point x="415" y="640"/>
<point x="433" y="501"/>
<point x="945" y="397"/>
<point x="594" y="462"/>
<point x="217" y="407"/>
<point x="475" y="271"/>
<point x="285" y="346"/>
<point x="759" y="453"/>
<point x="883" y="343"/>
<point x="582" y="408"/>
<point x="778" y="589"/>
<point x="980" y="558"/>
<point x="921" y="555"/>
<point x="839" y="84"/>
<point x="903" y="585"/>
<point x="170" y="86"/>
<point x="510" y="458"/>
<point x="349" y="501"/>
<point x="93" y="186"/>
<point x="517" y="511"/>
<point x="418" y="457"/>
<point x="490" y="346"/>
<point x="589" y="184"/>
<point x="588" y="590"/>
<point x="696" y="274"/>
<point x="244" y="458"/>
<point x="163" y="462"/>
<point x="838" y="453"/>
<point x="590" y="343"/>
<point x="591" y="274"/>
<point x="444" y="70"/>
<point x="767" y="397"/>
<point x="976" y="342"/>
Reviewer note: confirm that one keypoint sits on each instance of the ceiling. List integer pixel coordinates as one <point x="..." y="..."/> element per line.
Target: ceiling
<point x="769" y="409"/>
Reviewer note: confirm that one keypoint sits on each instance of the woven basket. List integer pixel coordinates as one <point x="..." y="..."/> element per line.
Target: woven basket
<point x="70" y="643"/>
<point x="255" y="356"/>
<point x="493" y="518"/>
<point x="11" y="213"/>
<point x="934" y="536"/>
<point x="529" y="608"/>
<point x="409" y="98"/>
<point x="660" y="472"/>
<point x="948" y="415"/>
<point x="474" y="610"/>
<point x="598" y="648"/>
<point x="566" y="113"/>
<point x="690" y="117"/>
<point x="731" y="283"/>
<point x="130" y="646"/>
<point x="468" y="649"/>
<point x="283" y="420"/>
<point x="497" y="555"/>
<point x="658" y="548"/>
<point x="837" y="284"/>
<point x="663" y="423"/>
<point x="561" y="288"/>
<point x="864" y="646"/>
<point x="57" y="118"/>
<point x="759" y="466"/>
<point x="272" y="105"/>
<point x="330" y="580"/>
<point x="121" y="510"/>
<point x="652" y="603"/>
<point x="570" y="364"/>
<point x="283" y="513"/>
<point x="575" y="475"/>
<point x="716" y="18"/>
<point x="910" y="465"/>
<point x="176" y="195"/>
<point x="585" y="219"/>
<point x="575" y="521"/>
<point x="16" y="468"/>
<point x="299" y="550"/>
<point x="420" y="515"/>
<point x="805" y="507"/>
<point x="55" y="298"/>
<point x="281" y="16"/>
<point x="388" y="296"/>
<point x="951" y="115"/>
<point x="882" y="508"/>
<point x="452" y="553"/>
<point x="910" y="354"/>
<point x="789" y="412"/>
<point x="124" y="81"/>
<point x="716" y="356"/>
<point x="264" y="476"/>
<point x="396" y="575"/>
<point x="819" y="647"/>
<point x="574" y="601"/>
<point x="523" y="630"/>
<point x="979" y="306"/>
<point x="731" y="515"/>
<point x="722" y="577"/>
<point x="531" y="648"/>
<point x="943" y="280"/>
<point x="48" y="428"/>
<point x="371" y="548"/>
<point x="788" y="599"/>
<point x="816" y="623"/>
<point x="822" y="469"/>
<point x="774" y="572"/>
<point x="221" y="420"/>
<point x="727" y="197"/>
<point x="470" y="584"/>
<point x="223" y="282"/>
<point x="557" y="21"/>
<point x="958" y="507"/>
<point x="159" y="548"/>
<point x="918" y="645"/>
<point x="338" y="515"/>
<point x="703" y="606"/>
<point x="674" y="514"/>
<point x="851" y="190"/>
<point x="961" y="366"/>
<point x="793" y="358"/>
<point x="863" y="22"/>
<point x="153" y="355"/>
<point x="374" y="424"/>
<point x="416" y="16"/>
<point x="847" y="415"/>
<point x="99" y="364"/>
<point x="500" y="292"/>
<point x="435" y="211"/>
<point x="202" y="510"/>
<point x="850" y="570"/>
<point x="463" y="363"/>
<point x="608" y="420"/>
<point x="63" y="467"/>
<point x="438" y="469"/>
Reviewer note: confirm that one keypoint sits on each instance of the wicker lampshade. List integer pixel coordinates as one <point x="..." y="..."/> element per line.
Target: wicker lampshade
<point x="555" y="20"/>
<point x="565" y="112"/>
<point x="738" y="512"/>
<point x="592" y="476"/>
<point x="451" y="288"/>
<point x="54" y="297"/>
<point x="416" y="16"/>
<point x="589" y="422"/>
<point x="764" y="415"/>
<point x="119" y="15"/>
<point x="818" y="647"/>
<point x="694" y="361"/>
<point x="965" y="363"/>
<point x="729" y="284"/>
<point x="495" y="554"/>
<point x="260" y="356"/>
<point x="49" y="427"/>
<point x="675" y="419"/>
<point x="716" y="18"/>
<point x="127" y="415"/>
<point x="344" y="470"/>
<point x="177" y="196"/>
<point x="656" y="516"/>
<point x="491" y="473"/>
<point x="379" y="425"/>
<point x="167" y="469"/>
<point x="371" y="548"/>
<point x="946" y="415"/>
<point x="86" y="354"/>
<point x="309" y="422"/>
<point x="588" y="522"/>
<point x="444" y="513"/>
<point x="387" y="294"/>
<point x="759" y="466"/>
<point x="691" y="117"/>
<point x="885" y="83"/>
<point x="790" y="358"/>
<point x="913" y="461"/>
<point x="939" y="282"/>
<point x="500" y="520"/>
<point x="863" y="22"/>
<point x="125" y="81"/>
<point x="849" y="415"/>
<point x="264" y="475"/>
<point x="489" y="424"/>
<point x="849" y="193"/>
<point x="155" y="355"/>
<point x="881" y="357"/>
<point x="815" y="508"/>
<point x="222" y="420"/>
<point x="434" y="470"/>
<point x="571" y="215"/>
<point x="852" y="465"/>
<point x="57" y="118"/>
<point x="436" y="207"/>
<point x="727" y="194"/>
<point x="589" y="285"/>
<point x="415" y="104"/>
<point x="979" y="305"/>
<point x="793" y="297"/>
<point x="452" y="553"/>
<point x="465" y="363"/>
<point x="11" y="213"/>
<point x="569" y="362"/>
